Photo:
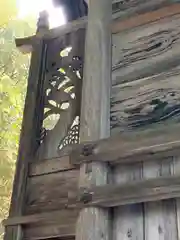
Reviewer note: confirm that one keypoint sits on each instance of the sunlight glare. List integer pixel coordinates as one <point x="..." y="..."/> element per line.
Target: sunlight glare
<point x="33" y="7"/>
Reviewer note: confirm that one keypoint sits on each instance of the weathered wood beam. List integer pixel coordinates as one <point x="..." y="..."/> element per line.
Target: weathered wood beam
<point x="93" y="223"/>
<point x="62" y="217"/>
<point x="123" y="148"/>
<point x="135" y="192"/>
<point x="25" y="45"/>
<point x="109" y="195"/>
<point x="118" y="25"/>
<point x="54" y="231"/>
<point x="123" y="9"/>
<point x="112" y="157"/>
<point x="44" y="190"/>
<point x="128" y="148"/>
<point x="50" y="166"/>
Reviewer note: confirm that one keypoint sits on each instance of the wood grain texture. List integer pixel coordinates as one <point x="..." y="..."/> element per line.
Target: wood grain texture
<point x="176" y="172"/>
<point x="49" y="166"/>
<point x="145" y="102"/>
<point x="160" y="216"/>
<point x="129" y="218"/>
<point x="112" y="195"/>
<point x="145" y="94"/>
<point x="124" y="148"/>
<point x="143" y="19"/>
<point x="61" y="192"/>
<point x="44" y="218"/>
<point x="123" y="9"/>
<point x="94" y="223"/>
<point x="51" y="192"/>
<point x="55" y="231"/>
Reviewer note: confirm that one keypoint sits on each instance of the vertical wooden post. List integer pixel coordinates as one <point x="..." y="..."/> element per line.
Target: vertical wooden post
<point x="28" y="136"/>
<point x="93" y="223"/>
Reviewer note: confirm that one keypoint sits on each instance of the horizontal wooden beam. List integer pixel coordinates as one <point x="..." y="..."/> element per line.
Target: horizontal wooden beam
<point x="145" y="18"/>
<point x="110" y="195"/>
<point x="49" y="166"/>
<point x="124" y="148"/>
<point x="26" y="45"/>
<point x="54" y="231"/>
<point x="61" y="217"/>
<point x="114" y="157"/>
<point x="128" y="148"/>
<point x="104" y="196"/>
<point x="113" y="195"/>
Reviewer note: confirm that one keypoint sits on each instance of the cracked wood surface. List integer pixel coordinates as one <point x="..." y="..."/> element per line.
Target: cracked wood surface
<point x="145" y="102"/>
<point x="146" y="88"/>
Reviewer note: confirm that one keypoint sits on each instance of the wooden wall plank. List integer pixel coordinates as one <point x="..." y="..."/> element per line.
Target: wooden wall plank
<point x="65" y="195"/>
<point x="53" y="217"/>
<point x="145" y="99"/>
<point x="124" y="9"/>
<point x="143" y="19"/>
<point x="129" y="218"/>
<point x="49" y="166"/>
<point x="52" y="191"/>
<point x="145" y="94"/>
<point x="160" y="216"/>
<point x="49" y="232"/>
<point x="176" y="172"/>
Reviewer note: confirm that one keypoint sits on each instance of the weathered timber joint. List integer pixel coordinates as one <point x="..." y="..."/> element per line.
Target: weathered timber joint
<point x="87" y="150"/>
<point x="85" y="196"/>
<point x="80" y="153"/>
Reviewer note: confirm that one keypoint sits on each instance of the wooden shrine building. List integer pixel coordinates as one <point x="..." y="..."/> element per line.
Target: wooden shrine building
<point x="99" y="155"/>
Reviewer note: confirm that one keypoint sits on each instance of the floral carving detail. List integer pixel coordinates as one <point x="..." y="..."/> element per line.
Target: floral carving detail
<point x="62" y="91"/>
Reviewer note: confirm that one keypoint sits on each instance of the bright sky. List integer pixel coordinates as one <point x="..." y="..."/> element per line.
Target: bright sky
<point x="33" y="7"/>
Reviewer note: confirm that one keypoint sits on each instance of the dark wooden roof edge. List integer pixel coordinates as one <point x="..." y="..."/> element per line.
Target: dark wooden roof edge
<point x="25" y="45"/>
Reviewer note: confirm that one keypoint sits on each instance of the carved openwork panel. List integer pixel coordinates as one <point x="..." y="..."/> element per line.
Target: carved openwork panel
<point x="62" y="93"/>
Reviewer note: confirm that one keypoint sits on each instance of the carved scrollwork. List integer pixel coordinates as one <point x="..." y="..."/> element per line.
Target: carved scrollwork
<point x="72" y="137"/>
<point x="62" y="92"/>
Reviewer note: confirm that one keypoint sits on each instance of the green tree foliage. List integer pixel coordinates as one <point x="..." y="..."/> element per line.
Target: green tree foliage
<point x="13" y="78"/>
<point x="8" y="11"/>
